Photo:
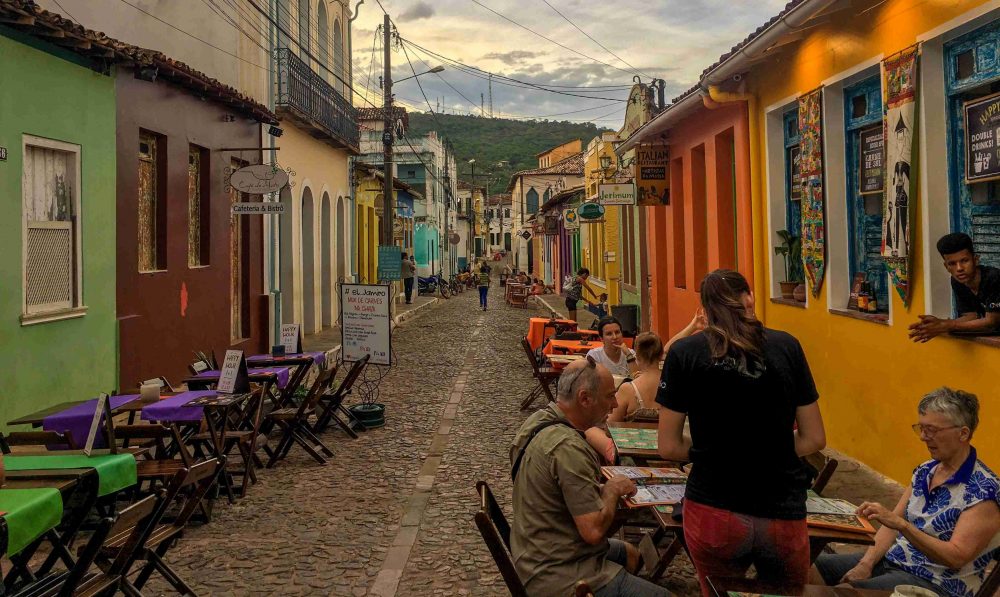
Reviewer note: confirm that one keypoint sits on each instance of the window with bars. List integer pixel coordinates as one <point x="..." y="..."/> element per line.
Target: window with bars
<point x="50" y="212"/>
<point x="151" y="221"/>
<point x="199" y="192"/>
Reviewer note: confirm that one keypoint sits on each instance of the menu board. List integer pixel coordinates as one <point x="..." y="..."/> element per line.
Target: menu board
<point x="871" y="178"/>
<point x="795" y="161"/>
<point x="982" y="130"/>
<point x="366" y="323"/>
<point x="291" y="338"/>
<point x="233" y="378"/>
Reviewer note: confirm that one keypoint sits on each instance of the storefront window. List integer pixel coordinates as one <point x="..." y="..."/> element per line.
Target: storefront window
<point x="793" y="194"/>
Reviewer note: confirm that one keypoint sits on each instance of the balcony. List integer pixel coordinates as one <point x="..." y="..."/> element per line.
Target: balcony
<point x="307" y="99"/>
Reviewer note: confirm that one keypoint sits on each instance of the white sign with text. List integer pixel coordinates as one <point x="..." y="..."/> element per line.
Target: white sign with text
<point x="230" y="371"/>
<point x="366" y="323"/>
<point x="290" y="337"/>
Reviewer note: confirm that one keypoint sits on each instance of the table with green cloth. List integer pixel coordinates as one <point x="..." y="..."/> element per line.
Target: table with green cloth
<point x="28" y="514"/>
<point x="115" y="471"/>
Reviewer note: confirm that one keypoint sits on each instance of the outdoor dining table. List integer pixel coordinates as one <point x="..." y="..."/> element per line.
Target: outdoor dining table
<point x="301" y="363"/>
<point x="77" y="419"/>
<point x="173" y="409"/>
<point x="114" y="471"/>
<point x="279" y="375"/>
<point x="218" y="410"/>
<point x="635" y="440"/>
<point x="26" y="515"/>
<point x="536" y="329"/>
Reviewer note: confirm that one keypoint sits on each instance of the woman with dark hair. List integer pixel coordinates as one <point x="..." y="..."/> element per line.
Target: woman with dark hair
<point x="745" y="388"/>
<point x="574" y="291"/>
<point x="613" y="352"/>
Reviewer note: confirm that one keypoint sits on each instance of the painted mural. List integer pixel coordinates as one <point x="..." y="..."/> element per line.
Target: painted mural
<point x="811" y="177"/>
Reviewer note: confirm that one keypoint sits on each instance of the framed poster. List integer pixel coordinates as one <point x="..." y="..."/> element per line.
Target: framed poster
<point x="366" y="323"/>
<point x="871" y="174"/>
<point x="982" y="128"/>
<point x="652" y="166"/>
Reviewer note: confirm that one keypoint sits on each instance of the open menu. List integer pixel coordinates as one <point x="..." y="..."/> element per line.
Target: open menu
<point x="647" y="475"/>
<point x="654" y="495"/>
<point x="835" y="514"/>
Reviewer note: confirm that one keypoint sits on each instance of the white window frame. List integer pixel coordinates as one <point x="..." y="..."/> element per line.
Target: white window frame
<point x="76" y="308"/>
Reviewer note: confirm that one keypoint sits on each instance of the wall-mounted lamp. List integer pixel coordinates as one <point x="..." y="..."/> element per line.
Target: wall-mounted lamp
<point x="275" y="131"/>
<point x="605" y="162"/>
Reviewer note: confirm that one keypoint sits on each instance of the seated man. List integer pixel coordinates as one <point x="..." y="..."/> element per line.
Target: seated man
<point x="562" y="512"/>
<point x="976" y="289"/>
<point x="946" y="528"/>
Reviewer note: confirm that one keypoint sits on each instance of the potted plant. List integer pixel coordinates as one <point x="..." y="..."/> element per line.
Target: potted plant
<point x="371" y="414"/>
<point x="790" y="250"/>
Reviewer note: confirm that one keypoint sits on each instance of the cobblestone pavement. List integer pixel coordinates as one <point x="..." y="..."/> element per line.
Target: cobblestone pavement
<point x="392" y="512"/>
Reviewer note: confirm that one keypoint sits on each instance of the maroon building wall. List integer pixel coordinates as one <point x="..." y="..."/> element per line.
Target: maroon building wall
<point x="164" y="316"/>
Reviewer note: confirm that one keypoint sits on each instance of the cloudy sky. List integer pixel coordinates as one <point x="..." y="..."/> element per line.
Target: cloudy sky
<point x="673" y="40"/>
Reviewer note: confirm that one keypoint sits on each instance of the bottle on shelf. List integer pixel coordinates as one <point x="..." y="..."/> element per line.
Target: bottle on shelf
<point x="863" y="298"/>
<point x="872" y="299"/>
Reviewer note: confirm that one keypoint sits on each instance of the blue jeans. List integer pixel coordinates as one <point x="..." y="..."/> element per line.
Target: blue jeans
<point x="885" y="576"/>
<point x="625" y="584"/>
<point x="408" y="288"/>
<point x="483" y="290"/>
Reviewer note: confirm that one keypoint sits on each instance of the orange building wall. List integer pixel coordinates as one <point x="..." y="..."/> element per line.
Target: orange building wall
<point x="707" y="225"/>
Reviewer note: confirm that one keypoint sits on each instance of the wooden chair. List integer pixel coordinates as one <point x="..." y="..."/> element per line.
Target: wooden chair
<point x="991" y="584"/>
<point x="495" y="530"/>
<point x="166" y="452"/>
<point x="294" y="423"/>
<point x="194" y="485"/>
<point x="545" y="376"/>
<point x="332" y="404"/>
<point x="40" y="439"/>
<point x="519" y="297"/>
<point x="247" y="436"/>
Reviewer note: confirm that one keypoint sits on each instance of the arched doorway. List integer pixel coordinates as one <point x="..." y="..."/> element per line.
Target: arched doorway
<point x="342" y="244"/>
<point x="287" y="262"/>
<point x="308" y="263"/>
<point x="326" y="272"/>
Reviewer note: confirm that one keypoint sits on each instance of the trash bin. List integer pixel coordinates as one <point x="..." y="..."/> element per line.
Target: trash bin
<point x="628" y="315"/>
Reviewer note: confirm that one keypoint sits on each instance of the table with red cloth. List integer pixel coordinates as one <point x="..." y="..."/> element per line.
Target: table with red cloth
<point x="536" y="329"/>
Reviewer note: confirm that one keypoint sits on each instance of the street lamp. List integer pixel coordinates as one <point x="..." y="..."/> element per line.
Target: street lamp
<point x="436" y="69"/>
<point x="605" y="162"/>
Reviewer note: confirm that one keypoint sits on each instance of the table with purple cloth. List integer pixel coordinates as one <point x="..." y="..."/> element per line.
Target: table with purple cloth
<point x="318" y="357"/>
<point x="281" y="373"/>
<point x="77" y="420"/>
<point x="175" y="410"/>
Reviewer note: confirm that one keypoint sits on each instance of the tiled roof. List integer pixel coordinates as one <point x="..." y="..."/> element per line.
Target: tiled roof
<point x="30" y="18"/>
<point x="399" y="112"/>
<point x="567" y="166"/>
<point x="376" y="171"/>
<point x="561" y="197"/>
<point x="499" y="198"/>
<point x="792" y="5"/>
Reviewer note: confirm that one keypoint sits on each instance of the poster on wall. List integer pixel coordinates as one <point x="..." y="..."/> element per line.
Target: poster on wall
<point x="899" y="75"/>
<point x="366" y="323"/>
<point x="811" y="180"/>
<point x="982" y="134"/>
<point x="652" y="168"/>
<point x="795" y="158"/>
<point x="872" y="176"/>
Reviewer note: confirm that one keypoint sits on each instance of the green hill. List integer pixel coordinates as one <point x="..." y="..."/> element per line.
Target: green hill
<point x="492" y="140"/>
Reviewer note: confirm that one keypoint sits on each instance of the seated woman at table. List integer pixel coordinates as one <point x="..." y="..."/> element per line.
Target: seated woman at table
<point x="945" y="529"/>
<point x="613" y="353"/>
<point x="636" y="398"/>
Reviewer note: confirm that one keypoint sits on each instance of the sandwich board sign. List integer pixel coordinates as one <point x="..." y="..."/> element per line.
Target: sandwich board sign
<point x="234" y="378"/>
<point x="291" y="338"/>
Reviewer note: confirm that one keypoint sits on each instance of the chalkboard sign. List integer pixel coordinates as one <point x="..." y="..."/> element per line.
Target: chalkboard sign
<point x="982" y="131"/>
<point x="871" y="178"/>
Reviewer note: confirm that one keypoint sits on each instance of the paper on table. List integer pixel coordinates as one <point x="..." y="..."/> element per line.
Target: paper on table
<point x="648" y="495"/>
<point x="819" y="505"/>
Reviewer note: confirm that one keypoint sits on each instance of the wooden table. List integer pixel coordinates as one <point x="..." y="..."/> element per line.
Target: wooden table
<point x="637" y="453"/>
<point x="35" y="419"/>
<point x="536" y="329"/>
<point x="722" y="586"/>
<point x="218" y="411"/>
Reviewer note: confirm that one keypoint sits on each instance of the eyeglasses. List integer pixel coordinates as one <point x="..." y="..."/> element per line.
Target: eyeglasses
<point x="571" y="377"/>
<point x="929" y="431"/>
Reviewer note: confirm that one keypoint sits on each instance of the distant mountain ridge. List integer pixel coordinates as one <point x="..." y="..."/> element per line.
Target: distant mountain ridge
<point x="492" y="140"/>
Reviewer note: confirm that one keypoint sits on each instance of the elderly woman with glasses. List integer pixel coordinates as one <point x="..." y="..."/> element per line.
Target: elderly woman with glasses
<point x="946" y="528"/>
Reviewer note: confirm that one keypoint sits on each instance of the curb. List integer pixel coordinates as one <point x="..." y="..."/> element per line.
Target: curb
<point x="552" y="311"/>
<point x="402" y="317"/>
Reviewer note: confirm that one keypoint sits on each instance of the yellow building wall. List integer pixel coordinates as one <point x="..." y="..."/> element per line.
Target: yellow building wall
<point x="870" y="376"/>
<point x="366" y="248"/>
<point x="612" y="244"/>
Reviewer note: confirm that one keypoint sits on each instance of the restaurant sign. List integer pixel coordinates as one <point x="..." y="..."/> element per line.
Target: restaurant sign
<point x="258" y="208"/>
<point x="616" y="194"/>
<point x="982" y="133"/>
<point x="365" y="323"/>
<point x="872" y="176"/>
<point x="571" y="220"/>
<point x="259" y="179"/>
<point x="590" y="211"/>
<point x="652" y="175"/>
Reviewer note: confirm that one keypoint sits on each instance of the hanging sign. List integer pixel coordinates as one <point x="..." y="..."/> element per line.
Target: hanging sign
<point x="552" y="225"/>
<point x="871" y="178"/>
<point x="259" y="179"/>
<point x="616" y="194"/>
<point x="526" y="233"/>
<point x="454" y="238"/>
<point x="982" y="134"/>
<point x="257" y="209"/>
<point x="233" y="379"/>
<point x="390" y="263"/>
<point x="365" y="323"/>
<point x="291" y="338"/>
<point x="652" y="175"/>
<point x="571" y="221"/>
<point x="590" y="211"/>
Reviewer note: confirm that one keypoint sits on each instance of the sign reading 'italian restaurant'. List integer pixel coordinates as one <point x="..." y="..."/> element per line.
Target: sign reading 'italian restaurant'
<point x="982" y="132"/>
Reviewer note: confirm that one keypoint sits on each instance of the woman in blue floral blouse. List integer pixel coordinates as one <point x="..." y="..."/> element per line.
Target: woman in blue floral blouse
<point x="946" y="528"/>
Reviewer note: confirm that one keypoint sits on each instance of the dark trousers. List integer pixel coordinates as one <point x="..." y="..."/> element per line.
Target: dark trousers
<point x="408" y="288"/>
<point x="483" y="290"/>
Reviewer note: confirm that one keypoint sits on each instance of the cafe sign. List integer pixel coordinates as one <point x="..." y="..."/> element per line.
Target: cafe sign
<point x="652" y="175"/>
<point x="872" y="176"/>
<point x="259" y="179"/>
<point x="982" y="132"/>
<point x="590" y="211"/>
<point x="616" y="194"/>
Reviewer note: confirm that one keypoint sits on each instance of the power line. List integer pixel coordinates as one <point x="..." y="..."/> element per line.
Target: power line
<point x="605" y="48"/>
<point x="550" y="40"/>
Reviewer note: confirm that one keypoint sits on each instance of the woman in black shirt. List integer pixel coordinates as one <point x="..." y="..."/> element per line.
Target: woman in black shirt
<point x="744" y="388"/>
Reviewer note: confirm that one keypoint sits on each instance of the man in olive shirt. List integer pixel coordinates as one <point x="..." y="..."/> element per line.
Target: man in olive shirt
<point x="561" y="511"/>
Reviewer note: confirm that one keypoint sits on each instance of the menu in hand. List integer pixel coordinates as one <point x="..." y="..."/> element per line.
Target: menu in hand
<point x="647" y="475"/>
<point x="835" y="514"/>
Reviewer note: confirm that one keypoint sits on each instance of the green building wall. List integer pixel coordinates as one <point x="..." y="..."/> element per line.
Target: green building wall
<point x="49" y="93"/>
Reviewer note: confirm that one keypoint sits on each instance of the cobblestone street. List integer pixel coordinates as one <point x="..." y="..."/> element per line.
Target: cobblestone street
<point x="392" y="513"/>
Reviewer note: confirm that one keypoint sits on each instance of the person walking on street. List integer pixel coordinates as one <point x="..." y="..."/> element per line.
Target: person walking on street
<point x="408" y="272"/>
<point x="484" y="284"/>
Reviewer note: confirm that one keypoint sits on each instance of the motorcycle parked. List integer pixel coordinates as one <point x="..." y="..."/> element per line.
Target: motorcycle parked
<point x="428" y="285"/>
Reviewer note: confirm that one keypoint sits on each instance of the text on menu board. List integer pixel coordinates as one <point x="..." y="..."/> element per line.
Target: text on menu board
<point x="982" y="130"/>
<point x="366" y="323"/>
<point x="872" y="176"/>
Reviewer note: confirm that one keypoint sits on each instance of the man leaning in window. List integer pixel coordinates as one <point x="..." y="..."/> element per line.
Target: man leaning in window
<point x="976" y="289"/>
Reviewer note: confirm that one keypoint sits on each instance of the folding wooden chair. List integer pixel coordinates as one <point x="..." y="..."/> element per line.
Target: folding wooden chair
<point x="40" y="439"/>
<point x="195" y="484"/>
<point x="495" y="530"/>
<point x="294" y="423"/>
<point x="545" y="376"/>
<point x="247" y="436"/>
<point x="519" y="297"/>
<point x="332" y="404"/>
<point x="166" y="452"/>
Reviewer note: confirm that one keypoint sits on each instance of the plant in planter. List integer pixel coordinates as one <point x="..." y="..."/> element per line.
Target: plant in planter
<point x="790" y="250"/>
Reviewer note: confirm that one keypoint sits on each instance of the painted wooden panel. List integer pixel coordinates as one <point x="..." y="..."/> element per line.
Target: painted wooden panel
<point x="793" y="205"/>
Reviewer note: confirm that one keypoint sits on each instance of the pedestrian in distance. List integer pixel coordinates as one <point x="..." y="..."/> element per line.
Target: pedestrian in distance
<point x="745" y="388"/>
<point x="409" y="270"/>
<point x="574" y="291"/>
<point x="484" y="284"/>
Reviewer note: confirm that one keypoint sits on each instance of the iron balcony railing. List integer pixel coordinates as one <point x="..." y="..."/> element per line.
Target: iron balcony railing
<point x="314" y="103"/>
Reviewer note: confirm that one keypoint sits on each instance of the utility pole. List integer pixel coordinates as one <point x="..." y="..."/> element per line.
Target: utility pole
<point x="482" y="106"/>
<point x="387" y="126"/>
<point x="491" y="95"/>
